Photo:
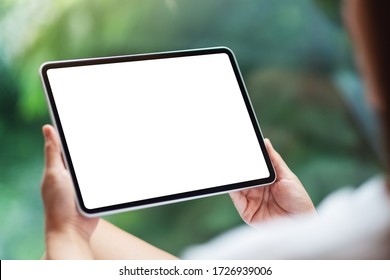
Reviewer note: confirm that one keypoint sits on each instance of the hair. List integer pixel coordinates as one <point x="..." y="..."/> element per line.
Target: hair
<point x="374" y="17"/>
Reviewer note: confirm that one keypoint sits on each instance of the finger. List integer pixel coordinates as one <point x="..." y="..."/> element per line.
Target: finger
<point x="235" y="196"/>
<point x="239" y="200"/>
<point x="281" y="168"/>
<point x="53" y="157"/>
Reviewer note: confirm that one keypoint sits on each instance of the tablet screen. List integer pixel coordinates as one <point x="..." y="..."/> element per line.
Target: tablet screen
<point x="149" y="129"/>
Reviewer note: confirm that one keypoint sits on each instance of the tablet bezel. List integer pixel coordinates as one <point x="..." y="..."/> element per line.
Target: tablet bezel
<point x="168" y="198"/>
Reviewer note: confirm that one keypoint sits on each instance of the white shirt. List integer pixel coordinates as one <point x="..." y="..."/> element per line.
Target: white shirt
<point x="351" y="224"/>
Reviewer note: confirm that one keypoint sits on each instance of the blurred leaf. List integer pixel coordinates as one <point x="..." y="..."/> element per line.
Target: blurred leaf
<point x="331" y="8"/>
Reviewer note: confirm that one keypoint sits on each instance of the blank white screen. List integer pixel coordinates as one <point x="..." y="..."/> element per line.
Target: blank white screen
<point x="145" y="129"/>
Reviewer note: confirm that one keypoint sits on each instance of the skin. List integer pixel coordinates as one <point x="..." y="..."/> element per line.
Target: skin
<point x="67" y="232"/>
<point x="69" y="235"/>
<point x="285" y="197"/>
<point x="357" y="26"/>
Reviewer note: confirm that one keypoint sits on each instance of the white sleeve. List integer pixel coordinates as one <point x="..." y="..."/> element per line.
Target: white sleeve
<point x="351" y="224"/>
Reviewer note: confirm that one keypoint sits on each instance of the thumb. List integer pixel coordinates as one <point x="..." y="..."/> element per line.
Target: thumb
<point x="53" y="157"/>
<point x="281" y="168"/>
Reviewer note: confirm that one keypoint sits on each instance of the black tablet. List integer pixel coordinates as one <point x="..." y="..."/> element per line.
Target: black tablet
<point x="151" y="129"/>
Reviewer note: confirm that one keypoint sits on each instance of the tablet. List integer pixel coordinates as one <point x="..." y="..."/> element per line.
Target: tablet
<point x="150" y="129"/>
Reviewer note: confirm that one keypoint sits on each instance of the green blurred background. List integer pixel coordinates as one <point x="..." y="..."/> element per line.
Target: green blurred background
<point x="296" y="60"/>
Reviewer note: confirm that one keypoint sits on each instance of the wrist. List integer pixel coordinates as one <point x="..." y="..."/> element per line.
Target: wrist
<point x="67" y="243"/>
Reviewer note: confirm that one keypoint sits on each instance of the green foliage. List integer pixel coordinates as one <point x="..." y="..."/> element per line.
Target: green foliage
<point x="331" y="8"/>
<point x="288" y="50"/>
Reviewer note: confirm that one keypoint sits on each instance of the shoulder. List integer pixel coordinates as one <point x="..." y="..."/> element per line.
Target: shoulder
<point x="351" y="223"/>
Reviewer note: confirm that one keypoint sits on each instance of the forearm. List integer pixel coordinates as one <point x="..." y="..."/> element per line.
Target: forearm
<point x="110" y="242"/>
<point x="67" y="245"/>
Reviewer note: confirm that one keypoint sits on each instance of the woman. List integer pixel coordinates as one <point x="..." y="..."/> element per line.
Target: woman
<point x="349" y="225"/>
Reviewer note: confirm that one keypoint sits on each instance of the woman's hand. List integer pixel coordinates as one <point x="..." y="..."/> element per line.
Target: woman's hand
<point x="67" y="232"/>
<point x="285" y="197"/>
